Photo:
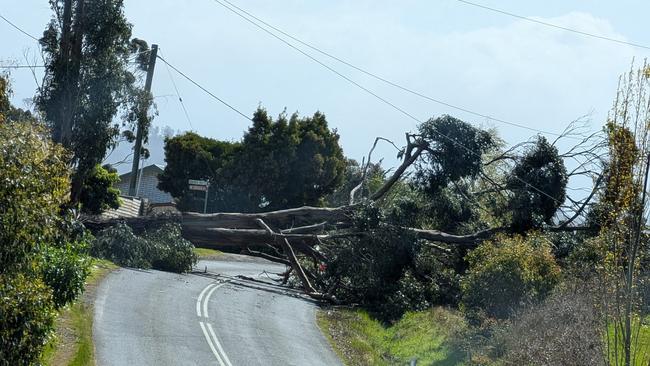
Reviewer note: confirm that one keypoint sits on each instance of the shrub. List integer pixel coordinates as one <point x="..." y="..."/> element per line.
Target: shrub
<point x="563" y="330"/>
<point x="508" y="272"/>
<point x="26" y="319"/>
<point x="163" y="249"/>
<point x="37" y="272"/>
<point x="98" y="193"/>
<point x="64" y="269"/>
<point x="34" y="184"/>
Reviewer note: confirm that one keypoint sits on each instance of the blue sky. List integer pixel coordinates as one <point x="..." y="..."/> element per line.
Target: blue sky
<point x="490" y="63"/>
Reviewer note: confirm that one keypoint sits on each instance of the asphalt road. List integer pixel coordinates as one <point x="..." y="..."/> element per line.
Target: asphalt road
<point x="213" y="318"/>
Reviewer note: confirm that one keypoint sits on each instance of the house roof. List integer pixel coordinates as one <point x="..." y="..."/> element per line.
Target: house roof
<point x="155" y="167"/>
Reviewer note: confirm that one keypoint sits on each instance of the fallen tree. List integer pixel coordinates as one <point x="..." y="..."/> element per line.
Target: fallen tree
<point x="446" y="154"/>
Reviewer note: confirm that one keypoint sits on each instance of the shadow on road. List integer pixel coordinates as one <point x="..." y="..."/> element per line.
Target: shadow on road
<point x="255" y="284"/>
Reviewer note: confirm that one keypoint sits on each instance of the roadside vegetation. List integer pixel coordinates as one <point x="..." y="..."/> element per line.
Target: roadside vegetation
<point x="469" y="252"/>
<point x="540" y="289"/>
<point x="43" y="256"/>
<point x="72" y="343"/>
<point x="205" y="253"/>
<point x="431" y="337"/>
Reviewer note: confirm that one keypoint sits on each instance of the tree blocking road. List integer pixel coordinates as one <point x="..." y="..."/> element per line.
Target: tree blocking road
<point x="529" y="186"/>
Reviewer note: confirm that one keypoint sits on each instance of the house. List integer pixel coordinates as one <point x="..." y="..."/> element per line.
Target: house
<point x="146" y="186"/>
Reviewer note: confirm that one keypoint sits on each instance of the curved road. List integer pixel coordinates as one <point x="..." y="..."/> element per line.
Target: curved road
<point x="216" y="317"/>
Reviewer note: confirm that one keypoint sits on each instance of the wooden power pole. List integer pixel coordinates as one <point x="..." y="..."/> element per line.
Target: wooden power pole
<point x="138" y="137"/>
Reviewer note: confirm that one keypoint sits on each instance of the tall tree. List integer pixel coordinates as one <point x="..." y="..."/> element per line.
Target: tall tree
<point x="190" y="156"/>
<point x="285" y="163"/>
<point x="87" y="80"/>
<point x="290" y="162"/>
<point x="623" y="211"/>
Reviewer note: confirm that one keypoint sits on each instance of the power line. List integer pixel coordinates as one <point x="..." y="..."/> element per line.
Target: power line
<point x="348" y="79"/>
<point x="204" y="89"/>
<point x="187" y="115"/>
<point x="18" y="28"/>
<point x="383" y="79"/>
<point x="40" y="66"/>
<point x="452" y="140"/>
<point x="20" y="66"/>
<point x="619" y="41"/>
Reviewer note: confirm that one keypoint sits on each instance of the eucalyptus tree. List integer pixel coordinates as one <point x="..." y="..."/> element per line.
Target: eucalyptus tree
<point x="88" y="80"/>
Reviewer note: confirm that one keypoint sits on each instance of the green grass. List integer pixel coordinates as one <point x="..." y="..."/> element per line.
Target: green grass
<point x="425" y="336"/>
<point x="82" y="321"/>
<point x="205" y="253"/>
<point x="77" y="320"/>
<point x="640" y="345"/>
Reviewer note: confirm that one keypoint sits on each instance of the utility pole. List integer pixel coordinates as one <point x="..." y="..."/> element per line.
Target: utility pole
<point x="138" y="137"/>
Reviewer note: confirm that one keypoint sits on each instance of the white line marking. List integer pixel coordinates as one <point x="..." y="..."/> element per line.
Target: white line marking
<point x="207" y="299"/>
<point x="216" y="340"/>
<point x="214" y="351"/>
<point x="198" y="301"/>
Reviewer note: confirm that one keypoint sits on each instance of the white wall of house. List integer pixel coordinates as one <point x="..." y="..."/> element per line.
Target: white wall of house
<point x="148" y="185"/>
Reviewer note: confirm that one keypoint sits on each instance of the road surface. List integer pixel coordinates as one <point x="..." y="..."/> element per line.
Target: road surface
<point x="213" y="318"/>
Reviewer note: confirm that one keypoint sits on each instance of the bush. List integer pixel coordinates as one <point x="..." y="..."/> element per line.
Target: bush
<point x="163" y="249"/>
<point x="34" y="184"/>
<point x="37" y="272"/>
<point x="98" y="193"/>
<point x="508" y="272"/>
<point x="26" y="319"/>
<point x="64" y="269"/>
<point x="563" y="330"/>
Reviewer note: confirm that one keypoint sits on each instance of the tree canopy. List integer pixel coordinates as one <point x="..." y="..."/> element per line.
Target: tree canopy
<point x="287" y="162"/>
<point x="88" y="48"/>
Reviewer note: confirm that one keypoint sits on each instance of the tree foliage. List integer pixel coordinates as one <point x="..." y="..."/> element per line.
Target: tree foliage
<point x="368" y="269"/>
<point x="87" y="47"/>
<point x="43" y="264"/>
<point x="162" y="249"/>
<point x="98" y="193"/>
<point x="34" y="184"/>
<point x="538" y="182"/>
<point x="190" y="156"/>
<point x="508" y="272"/>
<point x="352" y="177"/>
<point x="454" y="151"/>
<point x="621" y="248"/>
<point x="289" y="162"/>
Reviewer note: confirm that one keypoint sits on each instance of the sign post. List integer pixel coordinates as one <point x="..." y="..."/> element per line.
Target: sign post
<point x="200" y="185"/>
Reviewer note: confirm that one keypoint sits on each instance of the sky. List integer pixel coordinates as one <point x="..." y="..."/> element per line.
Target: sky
<point x="486" y="62"/>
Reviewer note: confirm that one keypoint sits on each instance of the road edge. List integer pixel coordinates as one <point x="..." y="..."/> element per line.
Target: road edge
<point x="72" y="343"/>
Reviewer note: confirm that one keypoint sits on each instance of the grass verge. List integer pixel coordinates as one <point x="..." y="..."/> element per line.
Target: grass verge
<point x="205" y="253"/>
<point x="72" y="344"/>
<point x="640" y="343"/>
<point x="426" y="336"/>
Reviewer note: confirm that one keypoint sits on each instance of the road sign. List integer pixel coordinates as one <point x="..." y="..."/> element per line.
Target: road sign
<point x="200" y="185"/>
<point x="195" y="182"/>
<point x="198" y="188"/>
